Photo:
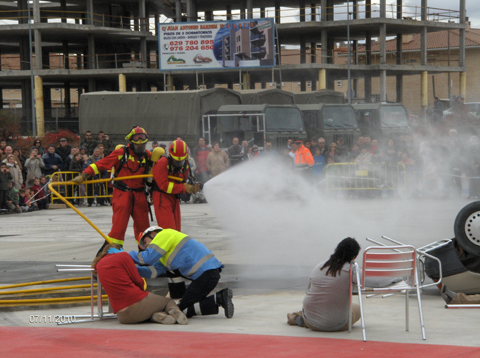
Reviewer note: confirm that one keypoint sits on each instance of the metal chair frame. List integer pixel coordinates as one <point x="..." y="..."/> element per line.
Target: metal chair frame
<point x="101" y="314"/>
<point x="390" y="261"/>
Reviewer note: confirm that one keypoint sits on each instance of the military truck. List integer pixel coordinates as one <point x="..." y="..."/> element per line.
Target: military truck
<point x="320" y="96"/>
<point x="264" y="96"/>
<point x="381" y="120"/>
<point x="256" y="123"/>
<point x="165" y="115"/>
<point x="330" y="121"/>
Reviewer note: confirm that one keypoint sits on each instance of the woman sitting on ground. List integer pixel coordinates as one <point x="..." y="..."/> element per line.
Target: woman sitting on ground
<point x="325" y="306"/>
<point x="126" y="290"/>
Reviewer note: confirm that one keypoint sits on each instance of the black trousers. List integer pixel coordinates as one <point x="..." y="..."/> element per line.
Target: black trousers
<point x="197" y="292"/>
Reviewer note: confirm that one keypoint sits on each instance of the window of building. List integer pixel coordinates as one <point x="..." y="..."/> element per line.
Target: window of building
<point x="340" y="84"/>
<point x="309" y="83"/>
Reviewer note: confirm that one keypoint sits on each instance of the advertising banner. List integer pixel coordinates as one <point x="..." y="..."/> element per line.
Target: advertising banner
<point x="216" y="44"/>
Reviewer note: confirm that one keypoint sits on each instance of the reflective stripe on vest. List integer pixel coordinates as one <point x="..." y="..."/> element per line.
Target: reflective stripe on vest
<point x="170" y="187"/>
<point x="168" y="243"/>
<point x="154" y="271"/>
<point x="95" y="169"/>
<point x="115" y="241"/>
<point x="199" y="263"/>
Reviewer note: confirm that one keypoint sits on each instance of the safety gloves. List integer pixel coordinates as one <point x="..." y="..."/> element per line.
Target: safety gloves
<point x="79" y="179"/>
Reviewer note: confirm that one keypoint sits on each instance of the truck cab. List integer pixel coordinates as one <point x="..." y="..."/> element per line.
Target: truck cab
<point x="381" y="120"/>
<point x="255" y="123"/>
<point x="330" y="121"/>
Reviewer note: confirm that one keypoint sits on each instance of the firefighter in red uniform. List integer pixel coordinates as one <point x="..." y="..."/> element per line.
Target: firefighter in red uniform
<point x="129" y="197"/>
<point x="170" y="174"/>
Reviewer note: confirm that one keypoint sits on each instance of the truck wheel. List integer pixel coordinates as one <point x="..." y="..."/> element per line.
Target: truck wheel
<point x="467" y="228"/>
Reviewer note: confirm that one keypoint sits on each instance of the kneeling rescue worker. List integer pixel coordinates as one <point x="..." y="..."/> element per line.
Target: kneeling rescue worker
<point x="170" y="174"/>
<point x="168" y="249"/>
<point x="129" y="198"/>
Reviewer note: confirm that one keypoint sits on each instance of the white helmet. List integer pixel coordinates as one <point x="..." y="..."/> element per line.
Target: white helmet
<point x="142" y="235"/>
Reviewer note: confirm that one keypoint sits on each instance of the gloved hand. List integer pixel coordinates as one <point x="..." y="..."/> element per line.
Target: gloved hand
<point x="79" y="179"/>
<point x="113" y="250"/>
<point x="196" y="188"/>
<point x="144" y="284"/>
<point x="189" y="189"/>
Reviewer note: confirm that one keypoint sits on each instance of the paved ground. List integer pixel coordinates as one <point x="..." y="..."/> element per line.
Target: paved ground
<point x="264" y="292"/>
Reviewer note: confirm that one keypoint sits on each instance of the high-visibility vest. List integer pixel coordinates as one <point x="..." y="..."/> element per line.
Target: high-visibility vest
<point x="303" y="156"/>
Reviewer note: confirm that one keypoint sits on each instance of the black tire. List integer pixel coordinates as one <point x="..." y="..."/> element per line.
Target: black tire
<point x="467" y="228"/>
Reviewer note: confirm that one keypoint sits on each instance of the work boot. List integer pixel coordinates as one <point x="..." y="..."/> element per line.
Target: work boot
<point x="447" y="294"/>
<point x="179" y="316"/>
<point x="224" y="299"/>
<point x="163" y="318"/>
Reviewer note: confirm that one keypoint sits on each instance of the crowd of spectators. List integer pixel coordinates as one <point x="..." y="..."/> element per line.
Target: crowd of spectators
<point x="434" y="165"/>
<point x="24" y="179"/>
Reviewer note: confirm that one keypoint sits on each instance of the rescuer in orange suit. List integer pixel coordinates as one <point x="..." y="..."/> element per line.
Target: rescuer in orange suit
<point x="170" y="174"/>
<point x="303" y="157"/>
<point x="129" y="198"/>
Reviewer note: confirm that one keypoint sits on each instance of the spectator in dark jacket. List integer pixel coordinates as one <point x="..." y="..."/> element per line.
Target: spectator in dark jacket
<point x="5" y="178"/>
<point x="53" y="162"/>
<point x="89" y="143"/>
<point x="64" y="150"/>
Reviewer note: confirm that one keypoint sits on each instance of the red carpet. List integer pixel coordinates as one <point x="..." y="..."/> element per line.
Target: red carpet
<point x="77" y="342"/>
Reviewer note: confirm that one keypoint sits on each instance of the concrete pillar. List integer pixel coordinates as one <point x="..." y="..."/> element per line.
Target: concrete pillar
<point x="368" y="9"/>
<point x="191" y="13"/>
<point x="383" y="46"/>
<point x="324" y="40"/>
<point x="208" y="15"/>
<point x="249" y="9"/>
<point x="37" y="36"/>
<point x="243" y="5"/>
<point x="68" y="99"/>
<point x="301" y="4"/>
<point x="463" y="85"/>
<point x="313" y="52"/>
<point x="277" y="11"/>
<point x="303" y="50"/>
<point x="157" y="21"/>
<point x="313" y="13"/>
<point x="368" y="48"/>
<point x="355" y="9"/>
<point x="383" y="9"/>
<point x="142" y="14"/>
<point x="424" y="90"/>
<point x="323" y="9"/>
<point x="383" y="86"/>
<point x="27" y="101"/>
<point x="423" y="46"/>
<point x="245" y="81"/>
<point x="461" y="35"/>
<point x="169" y="83"/>
<point x="322" y="78"/>
<point x="368" y="88"/>
<point x="92" y="86"/>
<point x="178" y="12"/>
<point x="90" y="12"/>
<point x="330" y="10"/>
<point x="91" y="52"/>
<point x="399" y="88"/>
<point x="229" y="11"/>
<point x="122" y="83"/>
<point x="63" y="7"/>
<point x="40" y="111"/>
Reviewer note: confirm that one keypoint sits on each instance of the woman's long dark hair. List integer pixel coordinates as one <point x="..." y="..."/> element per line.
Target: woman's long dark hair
<point x="104" y="253"/>
<point x="345" y="252"/>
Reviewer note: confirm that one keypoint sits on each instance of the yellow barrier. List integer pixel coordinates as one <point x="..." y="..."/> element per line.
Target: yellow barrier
<point x="50" y="186"/>
<point x="90" y="189"/>
<point x="368" y="176"/>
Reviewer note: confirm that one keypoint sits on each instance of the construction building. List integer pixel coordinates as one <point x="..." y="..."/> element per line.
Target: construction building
<point x="112" y="45"/>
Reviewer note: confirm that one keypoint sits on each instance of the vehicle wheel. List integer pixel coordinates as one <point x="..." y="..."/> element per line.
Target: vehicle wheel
<point x="467" y="228"/>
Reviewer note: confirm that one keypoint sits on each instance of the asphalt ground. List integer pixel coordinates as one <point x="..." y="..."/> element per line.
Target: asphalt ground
<point x="32" y="243"/>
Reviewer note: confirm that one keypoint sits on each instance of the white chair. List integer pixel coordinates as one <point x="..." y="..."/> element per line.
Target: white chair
<point x="385" y="262"/>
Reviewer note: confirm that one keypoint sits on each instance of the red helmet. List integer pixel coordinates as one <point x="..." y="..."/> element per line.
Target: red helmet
<point x="137" y="135"/>
<point x="178" y="150"/>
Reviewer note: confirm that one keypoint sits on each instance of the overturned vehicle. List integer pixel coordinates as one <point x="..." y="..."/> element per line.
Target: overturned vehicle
<point x="460" y="256"/>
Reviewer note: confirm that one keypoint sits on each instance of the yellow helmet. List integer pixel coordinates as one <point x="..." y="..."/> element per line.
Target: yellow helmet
<point x="137" y="135"/>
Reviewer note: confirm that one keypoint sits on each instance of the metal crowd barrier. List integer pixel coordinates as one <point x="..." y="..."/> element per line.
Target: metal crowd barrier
<point x="368" y="176"/>
<point x="90" y="189"/>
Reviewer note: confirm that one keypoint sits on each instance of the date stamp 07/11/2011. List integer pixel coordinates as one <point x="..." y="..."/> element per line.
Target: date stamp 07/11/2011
<point x="36" y="318"/>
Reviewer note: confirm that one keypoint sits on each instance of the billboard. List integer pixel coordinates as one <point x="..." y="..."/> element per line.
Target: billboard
<point x="216" y="44"/>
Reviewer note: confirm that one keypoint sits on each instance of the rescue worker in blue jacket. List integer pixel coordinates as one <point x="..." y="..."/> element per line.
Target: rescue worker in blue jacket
<point x="168" y="250"/>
